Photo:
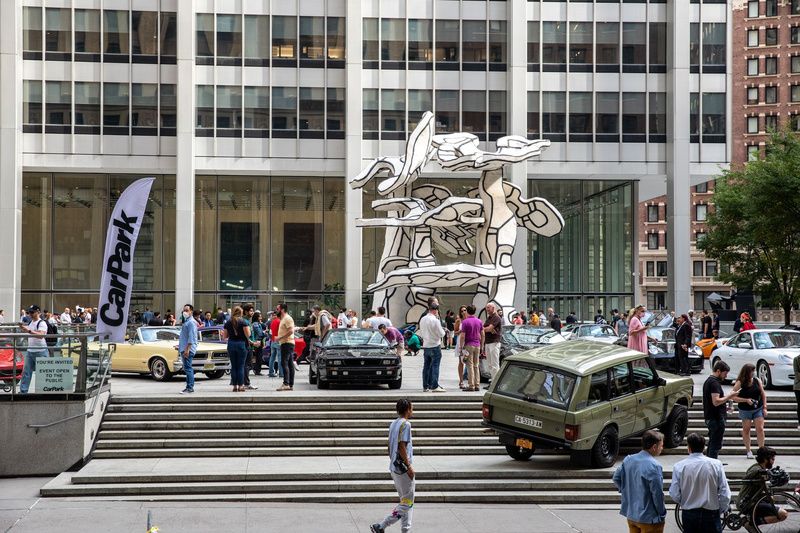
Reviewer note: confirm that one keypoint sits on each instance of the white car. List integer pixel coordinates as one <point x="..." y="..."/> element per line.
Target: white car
<point x="590" y="332"/>
<point x="772" y="351"/>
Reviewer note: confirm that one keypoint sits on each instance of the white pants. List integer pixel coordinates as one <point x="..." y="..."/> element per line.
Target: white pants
<point x="402" y="512"/>
<point x="493" y="357"/>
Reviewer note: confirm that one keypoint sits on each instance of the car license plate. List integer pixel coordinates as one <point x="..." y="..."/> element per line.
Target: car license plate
<point x="528" y="421"/>
<point x="524" y="443"/>
<point x="208" y="366"/>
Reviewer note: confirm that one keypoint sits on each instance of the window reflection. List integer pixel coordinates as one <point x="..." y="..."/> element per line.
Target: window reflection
<point x="115" y="108"/>
<point x="169" y="109"/>
<point x="473" y="113"/>
<point x="473" y="44"/>
<point x="256" y="111"/>
<point x="497" y="114"/>
<point x="229" y="111"/>
<point x="393" y="113"/>
<point x="533" y="115"/>
<point x="58" y="99"/>
<point x="554" y="115"/>
<point x="36" y="231"/>
<point x="658" y="46"/>
<point x="419" y="101"/>
<point x="87" y="107"/>
<point x="32" y="32"/>
<point x="336" y="107"/>
<point x="204" y="121"/>
<point x="204" y="45"/>
<point x="257" y="43"/>
<point x="116" y="36"/>
<point x="336" y="41"/>
<point x="446" y="111"/>
<point x="87" y="35"/>
<point x="284" y="40"/>
<point x="498" y="39"/>
<point x="168" y="37"/>
<point x="32" y="106"/>
<point x="58" y="34"/>
<point x="284" y="112"/>
<point x="607" y="37"/>
<point x="420" y="41"/>
<point x="229" y="40"/>
<point x="633" y="117"/>
<point x="448" y="39"/>
<point x="393" y="42"/>
<point x="312" y="38"/>
<point x="634" y="46"/>
<point x="144" y="36"/>
<point x="370" y="123"/>
<point x="144" y="109"/>
<point x="312" y="112"/>
<point x="370" y="46"/>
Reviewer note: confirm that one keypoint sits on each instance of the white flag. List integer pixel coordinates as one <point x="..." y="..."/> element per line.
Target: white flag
<point x="117" y="281"/>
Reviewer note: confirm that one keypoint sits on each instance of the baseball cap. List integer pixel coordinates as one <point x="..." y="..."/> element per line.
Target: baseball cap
<point x="34" y="309"/>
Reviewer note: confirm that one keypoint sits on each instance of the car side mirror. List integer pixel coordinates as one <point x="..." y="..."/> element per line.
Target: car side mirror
<point x="661" y="382"/>
<point x="745" y="345"/>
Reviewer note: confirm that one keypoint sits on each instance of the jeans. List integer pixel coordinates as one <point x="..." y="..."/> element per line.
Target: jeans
<point x="29" y="366"/>
<point x="257" y="361"/>
<point x="402" y="512"/>
<point x="237" y="351"/>
<point x="188" y="369"/>
<point x="430" y="367"/>
<point x="716" y="430"/>
<point x="275" y="358"/>
<point x="287" y="362"/>
<point x="701" y="521"/>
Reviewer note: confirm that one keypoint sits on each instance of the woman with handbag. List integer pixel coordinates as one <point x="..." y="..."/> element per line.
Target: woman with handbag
<point x="752" y="403"/>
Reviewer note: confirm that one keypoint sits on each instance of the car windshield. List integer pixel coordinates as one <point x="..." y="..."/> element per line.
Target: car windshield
<point x="209" y="335"/>
<point x="160" y="334"/>
<point x="358" y="337"/>
<point x="525" y="335"/>
<point x="662" y="334"/>
<point x="536" y="385"/>
<point x="595" y="331"/>
<point x="776" y="339"/>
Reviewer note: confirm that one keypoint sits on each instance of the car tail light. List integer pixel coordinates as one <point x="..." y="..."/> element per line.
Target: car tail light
<point x="486" y="411"/>
<point x="572" y="432"/>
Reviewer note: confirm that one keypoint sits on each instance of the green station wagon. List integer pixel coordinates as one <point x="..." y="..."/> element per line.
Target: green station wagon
<point x="584" y="397"/>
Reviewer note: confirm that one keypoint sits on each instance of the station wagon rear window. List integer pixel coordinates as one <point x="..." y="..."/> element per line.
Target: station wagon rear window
<point x="536" y="385"/>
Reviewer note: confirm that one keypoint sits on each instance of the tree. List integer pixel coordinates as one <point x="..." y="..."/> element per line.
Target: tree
<point x="755" y="228"/>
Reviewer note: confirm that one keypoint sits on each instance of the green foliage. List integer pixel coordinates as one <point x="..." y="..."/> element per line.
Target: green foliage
<point x="755" y="227"/>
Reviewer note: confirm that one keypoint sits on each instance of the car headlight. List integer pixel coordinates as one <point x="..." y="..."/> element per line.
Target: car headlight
<point x="387" y="362"/>
<point x="697" y="351"/>
<point x="335" y="362"/>
<point x="785" y="359"/>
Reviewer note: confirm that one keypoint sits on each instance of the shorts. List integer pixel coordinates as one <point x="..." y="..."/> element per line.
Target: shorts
<point x="764" y="510"/>
<point x="751" y="415"/>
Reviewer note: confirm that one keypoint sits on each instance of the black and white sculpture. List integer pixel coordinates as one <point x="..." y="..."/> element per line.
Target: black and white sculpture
<point x="423" y="216"/>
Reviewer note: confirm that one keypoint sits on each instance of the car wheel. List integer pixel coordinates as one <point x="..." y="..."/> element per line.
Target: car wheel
<point x="764" y="374"/>
<point x="606" y="448"/>
<point x="159" y="369"/>
<point x="396" y="384"/>
<point x="675" y="428"/>
<point x="216" y="374"/>
<point x="322" y="384"/>
<point x="312" y="377"/>
<point x="520" y="454"/>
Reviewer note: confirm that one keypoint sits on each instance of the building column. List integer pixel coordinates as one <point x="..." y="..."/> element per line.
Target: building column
<point x="678" y="178"/>
<point x="353" y="159"/>
<point x="517" y="112"/>
<point x="184" y="160"/>
<point x="11" y="157"/>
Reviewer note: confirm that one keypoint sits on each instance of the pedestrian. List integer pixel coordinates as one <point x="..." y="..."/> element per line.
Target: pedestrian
<point x="706" y="325"/>
<point x="393" y="337"/>
<point x="237" y="332"/>
<point x="534" y="319"/>
<point x="207" y="320"/>
<point x="599" y="318"/>
<point x="187" y="346"/>
<point x="413" y="344"/>
<point x="683" y="339"/>
<point x="220" y="316"/>
<point x="796" y="366"/>
<point x="747" y="322"/>
<point x="637" y="332"/>
<point x="700" y="487"/>
<point x="353" y="319"/>
<point x="66" y="317"/>
<point x="449" y="324"/>
<point x="147" y="316"/>
<point x="37" y="345"/>
<point x="715" y="324"/>
<point x="737" y="324"/>
<point x="258" y="338"/>
<point x="275" y="346"/>
<point x="344" y="320"/>
<point x="571" y="318"/>
<point x="431" y="332"/>
<point x="169" y="320"/>
<point x="555" y="323"/>
<point x="640" y="481"/>
<point x="493" y="329"/>
<point x="622" y="324"/>
<point x="379" y="318"/>
<point x="286" y="340"/>
<point x="752" y="404"/>
<point x="472" y="338"/>
<point x="156" y="320"/>
<point x="715" y="411"/>
<point x="401" y="468"/>
<point x="459" y="345"/>
<point x="248" y="313"/>
<point x="322" y="323"/>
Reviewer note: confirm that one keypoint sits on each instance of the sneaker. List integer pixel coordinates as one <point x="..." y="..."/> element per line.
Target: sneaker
<point x="426" y="390"/>
<point x="283" y="388"/>
<point x="439" y="389"/>
<point x="251" y="387"/>
<point x="376" y="528"/>
<point x="749" y="454"/>
<point x="187" y="391"/>
<point x="296" y="366"/>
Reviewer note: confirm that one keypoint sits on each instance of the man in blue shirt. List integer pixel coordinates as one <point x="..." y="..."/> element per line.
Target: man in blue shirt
<point x="640" y="480"/>
<point x="187" y="345"/>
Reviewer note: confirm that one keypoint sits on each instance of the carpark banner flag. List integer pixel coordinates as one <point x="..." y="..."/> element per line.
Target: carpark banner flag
<point x="117" y="281"/>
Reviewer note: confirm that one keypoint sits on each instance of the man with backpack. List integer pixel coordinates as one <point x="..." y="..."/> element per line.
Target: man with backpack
<point x="52" y="329"/>
<point x="37" y="345"/>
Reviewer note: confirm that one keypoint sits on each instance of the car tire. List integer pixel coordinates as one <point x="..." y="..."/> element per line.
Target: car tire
<point x="675" y="427"/>
<point x="159" y="369"/>
<point x="519" y="454"/>
<point x="216" y="374"/>
<point x="606" y="448"/>
<point x="764" y="374"/>
<point x="312" y="377"/>
<point x="396" y="384"/>
<point x="322" y="384"/>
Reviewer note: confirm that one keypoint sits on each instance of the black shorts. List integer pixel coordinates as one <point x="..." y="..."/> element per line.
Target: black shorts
<point x="764" y="510"/>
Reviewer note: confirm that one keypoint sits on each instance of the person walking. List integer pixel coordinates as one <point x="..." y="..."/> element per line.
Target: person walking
<point x="37" y="345"/>
<point x="752" y="404"/>
<point x="187" y="345"/>
<point x="431" y="332"/>
<point x="700" y="487"/>
<point x="640" y="481"/>
<point x="715" y="412"/>
<point x="237" y="333"/>
<point x="637" y="332"/>
<point x="286" y="340"/>
<point x="683" y="339"/>
<point x="472" y="338"/>
<point x="492" y="329"/>
<point x="401" y="468"/>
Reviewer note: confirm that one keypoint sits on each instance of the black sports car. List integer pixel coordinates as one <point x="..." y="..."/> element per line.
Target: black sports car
<point x="661" y="345"/>
<point x="354" y="356"/>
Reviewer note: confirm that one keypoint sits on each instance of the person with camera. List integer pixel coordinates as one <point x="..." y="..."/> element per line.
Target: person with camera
<point x="401" y="458"/>
<point x="752" y="403"/>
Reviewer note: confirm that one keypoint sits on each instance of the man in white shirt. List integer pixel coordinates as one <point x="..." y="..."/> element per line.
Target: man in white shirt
<point x="37" y="346"/>
<point x="66" y="317"/>
<point x="342" y="319"/>
<point x="380" y="318"/>
<point x="431" y="332"/>
<point x="700" y="487"/>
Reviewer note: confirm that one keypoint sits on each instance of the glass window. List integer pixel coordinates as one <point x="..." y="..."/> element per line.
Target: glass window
<point x="284" y="110"/>
<point x="658" y="46"/>
<point x="554" y="42"/>
<point x="256" y="43"/>
<point x="336" y="38"/>
<point x="607" y="37"/>
<point x="634" y="46"/>
<point x="620" y="380"/>
<point x="393" y="40"/>
<point x="32" y="104"/>
<point x="771" y="8"/>
<point x="752" y="95"/>
<point x="580" y="116"/>
<point x="697" y="268"/>
<point x="714" y="37"/>
<point x="795" y="64"/>
<point x="752" y="37"/>
<point x="770" y="95"/>
<point x="336" y="107"/>
<point x="448" y="37"/>
<point x="795" y="7"/>
<point x="752" y="66"/>
<point x="752" y="8"/>
<point x="116" y="36"/>
<point x="497" y="115"/>
<point x="598" y="388"/>
<point x="554" y="113"/>
<point x="650" y="269"/>
<point x="144" y="108"/>
<point x="711" y="269"/>
<point x="770" y="36"/>
<point x="771" y="122"/>
<point x="607" y="119"/>
<point x="700" y="212"/>
<point x="658" y="116"/>
<point x="204" y="124"/>
<point x="473" y="112"/>
<point x="393" y="111"/>
<point x="770" y="65"/>
<point x="652" y="213"/>
<point x="419" y="101"/>
<point x="312" y="38"/>
<point x="87" y="34"/>
<point x="794" y="34"/>
<point x="694" y="117"/>
<point x="284" y="40"/>
<point x="661" y="268"/>
<point x="87" y="107"/>
<point x="533" y="41"/>
<point x="473" y="42"/>
<point x="205" y="39"/>
<point x="694" y="46"/>
<point x="753" y="153"/>
<point x="580" y="43"/>
<point x="229" y="39"/>
<point x="256" y="111"/>
<point x="58" y="99"/>
<point x="58" y="30"/>
<point x="370" y="40"/>
<point x="634" y="116"/>
<point x="447" y="111"/>
<point x="32" y="30"/>
<point x="420" y="40"/>
<point x="498" y="38"/>
<point x="169" y="37"/>
<point x="168" y="109"/>
<point x="714" y="117"/>
<point x="752" y="124"/>
<point x="643" y="374"/>
<point x="371" y="124"/>
<point x="36" y="230"/>
<point x="652" y="241"/>
<point x="312" y="111"/>
<point x="533" y="114"/>
<point x="115" y="108"/>
<point x="545" y="386"/>
<point x="144" y="36"/>
<point x="701" y="187"/>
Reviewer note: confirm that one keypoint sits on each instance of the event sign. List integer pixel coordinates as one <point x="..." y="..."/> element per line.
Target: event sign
<point x="117" y="280"/>
<point x="54" y="374"/>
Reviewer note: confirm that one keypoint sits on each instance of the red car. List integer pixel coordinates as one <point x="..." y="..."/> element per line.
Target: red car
<point x="7" y="364"/>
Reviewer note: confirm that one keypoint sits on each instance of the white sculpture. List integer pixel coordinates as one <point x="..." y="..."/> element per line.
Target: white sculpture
<point x="419" y="218"/>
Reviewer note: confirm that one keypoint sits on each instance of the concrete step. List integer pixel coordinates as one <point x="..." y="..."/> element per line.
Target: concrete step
<point x="284" y="407"/>
<point x="237" y="433"/>
<point x="381" y="397"/>
<point x="473" y="441"/>
<point x="290" y="451"/>
<point x="124" y="425"/>
<point x="384" y="416"/>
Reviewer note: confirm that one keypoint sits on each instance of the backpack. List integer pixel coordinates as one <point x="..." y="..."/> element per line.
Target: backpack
<point x="52" y="329"/>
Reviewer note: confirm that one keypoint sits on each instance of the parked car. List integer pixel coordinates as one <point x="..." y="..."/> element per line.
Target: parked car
<point x="663" y="352"/>
<point x="516" y="339"/>
<point x="354" y="356"/>
<point x="11" y="363"/>
<point x="772" y="351"/>
<point x="584" y="397"/>
<point x="590" y="332"/>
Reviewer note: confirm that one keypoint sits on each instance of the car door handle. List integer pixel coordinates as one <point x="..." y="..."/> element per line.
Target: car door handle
<point x="640" y="400"/>
<point x="615" y="408"/>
